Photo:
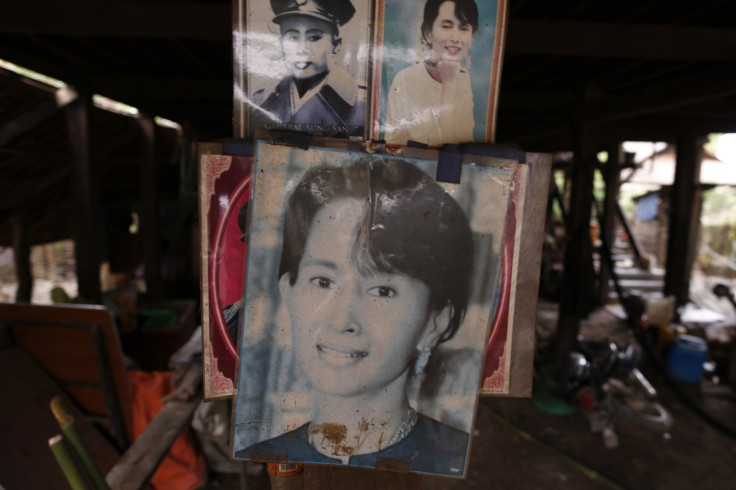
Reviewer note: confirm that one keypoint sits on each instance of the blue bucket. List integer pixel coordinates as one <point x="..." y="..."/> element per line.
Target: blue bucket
<point x="686" y="358"/>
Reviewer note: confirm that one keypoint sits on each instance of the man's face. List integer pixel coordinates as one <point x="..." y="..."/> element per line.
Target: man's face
<point x="353" y="333"/>
<point x="307" y="44"/>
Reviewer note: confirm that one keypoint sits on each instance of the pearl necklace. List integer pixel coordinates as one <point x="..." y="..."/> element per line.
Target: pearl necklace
<point x="406" y="426"/>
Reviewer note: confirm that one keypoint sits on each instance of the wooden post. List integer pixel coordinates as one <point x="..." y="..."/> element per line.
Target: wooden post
<point x="22" y="256"/>
<point x="577" y="280"/>
<point x="86" y="203"/>
<point x="149" y="208"/>
<point x="684" y="218"/>
<point x="611" y="174"/>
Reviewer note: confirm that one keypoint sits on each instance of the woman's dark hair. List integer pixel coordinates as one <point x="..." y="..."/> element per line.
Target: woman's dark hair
<point x="412" y="226"/>
<point x="465" y="10"/>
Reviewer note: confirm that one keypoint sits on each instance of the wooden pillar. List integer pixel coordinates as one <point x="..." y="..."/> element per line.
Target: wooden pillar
<point x="611" y="176"/>
<point x="22" y="256"/>
<point x="149" y="208"/>
<point x="685" y="200"/>
<point x="577" y="280"/>
<point x="86" y="202"/>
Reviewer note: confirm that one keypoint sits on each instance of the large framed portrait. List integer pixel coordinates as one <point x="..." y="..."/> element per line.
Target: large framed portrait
<point x="369" y="293"/>
<point x="302" y="65"/>
<point x="437" y="70"/>
<point x="225" y="189"/>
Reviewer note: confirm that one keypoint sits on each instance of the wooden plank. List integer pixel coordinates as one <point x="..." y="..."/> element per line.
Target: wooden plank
<point x="140" y="461"/>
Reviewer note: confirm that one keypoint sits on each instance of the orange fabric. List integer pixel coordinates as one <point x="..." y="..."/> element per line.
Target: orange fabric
<point x="183" y="468"/>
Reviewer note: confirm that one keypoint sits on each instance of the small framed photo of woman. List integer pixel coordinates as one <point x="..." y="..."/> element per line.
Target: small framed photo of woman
<point x="369" y="293"/>
<point x="302" y="65"/>
<point x="437" y="70"/>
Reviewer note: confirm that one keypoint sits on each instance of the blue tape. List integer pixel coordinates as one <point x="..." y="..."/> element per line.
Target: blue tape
<point x="237" y="147"/>
<point x="300" y="140"/>
<point x="513" y="152"/>
<point x="450" y="164"/>
<point x="416" y="144"/>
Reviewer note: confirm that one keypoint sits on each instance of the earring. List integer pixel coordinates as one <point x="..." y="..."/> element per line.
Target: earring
<point x="467" y="63"/>
<point x="422" y="360"/>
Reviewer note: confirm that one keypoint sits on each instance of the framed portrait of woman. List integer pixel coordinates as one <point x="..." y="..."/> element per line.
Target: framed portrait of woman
<point x="437" y="70"/>
<point x="302" y="65"/>
<point x="369" y="292"/>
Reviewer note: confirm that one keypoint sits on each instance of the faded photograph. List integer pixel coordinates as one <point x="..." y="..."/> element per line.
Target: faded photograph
<point x="431" y="92"/>
<point x="305" y="71"/>
<point x="369" y="292"/>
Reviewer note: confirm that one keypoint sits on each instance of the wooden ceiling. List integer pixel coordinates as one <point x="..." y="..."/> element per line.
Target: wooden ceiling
<point x="641" y="61"/>
<point x="640" y="69"/>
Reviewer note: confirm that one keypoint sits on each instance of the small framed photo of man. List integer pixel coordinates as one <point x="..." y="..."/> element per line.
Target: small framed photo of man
<point x="369" y="292"/>
<point x="302" y="65"/>
<point x="426" y="89"/>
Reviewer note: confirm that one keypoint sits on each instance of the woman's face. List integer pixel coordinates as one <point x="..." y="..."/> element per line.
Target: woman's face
<point x="307" y="45"/>
<point x="353" y="333"/>
<point x="450" y="38"/>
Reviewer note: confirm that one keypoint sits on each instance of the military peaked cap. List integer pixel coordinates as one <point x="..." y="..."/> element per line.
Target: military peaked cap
<point x="334" y="11"/>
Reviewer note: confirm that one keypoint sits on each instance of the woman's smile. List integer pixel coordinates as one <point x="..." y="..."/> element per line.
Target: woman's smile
<point x="340" y="356"/>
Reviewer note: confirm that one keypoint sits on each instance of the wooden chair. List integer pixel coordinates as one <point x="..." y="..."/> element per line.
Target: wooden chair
<point x="79" y="348"/>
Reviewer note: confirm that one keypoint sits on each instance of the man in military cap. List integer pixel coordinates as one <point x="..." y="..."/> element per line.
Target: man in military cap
<point x="316" y="95"/>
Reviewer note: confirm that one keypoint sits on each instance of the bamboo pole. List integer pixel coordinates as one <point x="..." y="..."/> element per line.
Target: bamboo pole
<point x="66" y="462"/>
<point x="72" y="435"/>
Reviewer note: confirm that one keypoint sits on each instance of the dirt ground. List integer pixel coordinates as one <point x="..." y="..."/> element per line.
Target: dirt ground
<point x="516" y="445"/>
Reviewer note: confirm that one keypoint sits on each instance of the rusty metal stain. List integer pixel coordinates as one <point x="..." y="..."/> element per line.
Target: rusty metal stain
<point x="334" y="433"/>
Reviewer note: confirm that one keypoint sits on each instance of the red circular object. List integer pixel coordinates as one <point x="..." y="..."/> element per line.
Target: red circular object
<point x="585" y="399"/>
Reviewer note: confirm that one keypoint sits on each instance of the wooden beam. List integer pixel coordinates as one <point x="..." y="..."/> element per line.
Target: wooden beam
<point x="22" y="255"/>
<point x="611" y="177"/>
<point x="577" y="280"/>
<point x="35" y="116"/>
<point x="86" y="233"/>
<point x="685" y="201"/>
<point x="611" y="40"/>
<point x="149" y="208"/>
<point x="77" y="18"/>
